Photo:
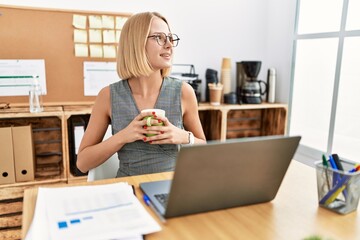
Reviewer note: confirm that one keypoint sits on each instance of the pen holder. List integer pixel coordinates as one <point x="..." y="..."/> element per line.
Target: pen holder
<point x="338" y="191"/>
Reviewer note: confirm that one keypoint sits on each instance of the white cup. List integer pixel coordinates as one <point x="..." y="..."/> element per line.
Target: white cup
<point x="158" y="112"/>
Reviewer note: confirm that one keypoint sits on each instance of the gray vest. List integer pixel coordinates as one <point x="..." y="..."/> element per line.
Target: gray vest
<point x="138" y="157"/>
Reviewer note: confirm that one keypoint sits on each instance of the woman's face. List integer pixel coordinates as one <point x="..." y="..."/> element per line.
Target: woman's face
<point x="160" y="57"/>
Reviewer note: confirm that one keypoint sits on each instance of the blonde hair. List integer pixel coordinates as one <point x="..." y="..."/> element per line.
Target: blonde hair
<point x="132" y="60"/>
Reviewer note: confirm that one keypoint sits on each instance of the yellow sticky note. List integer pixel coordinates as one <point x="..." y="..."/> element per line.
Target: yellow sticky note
<point x="95" y="36"/>
<point x="109" y="51"/>
<point x="120" y="21"/>
<point x="108" y="21"/>
<point x="80" y="36"/>
<point x="109" y="36"/>
<point x="81" y="50"/>
<point x="95" y="22"/>
<point x="79" y="21"/>
<point x="118" y="35"/>
<point x="96" y="51"/>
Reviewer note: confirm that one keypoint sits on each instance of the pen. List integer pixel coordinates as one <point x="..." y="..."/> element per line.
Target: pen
<point x="337" y="162"/>
<point x="325" y="163"/>
<point x="332" y="163"/>
<point x="148" y="203"/>
<point x="357" y="168"/>
<point x="336" y="175"/>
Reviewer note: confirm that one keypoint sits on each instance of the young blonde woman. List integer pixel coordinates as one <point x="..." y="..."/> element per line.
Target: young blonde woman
<point x="144" y="62"/>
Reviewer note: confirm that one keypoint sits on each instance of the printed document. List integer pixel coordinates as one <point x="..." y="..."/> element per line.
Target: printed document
<point x="16" y="76"/>
<point x="108" y="211"/>
<point x="98" y="75"/>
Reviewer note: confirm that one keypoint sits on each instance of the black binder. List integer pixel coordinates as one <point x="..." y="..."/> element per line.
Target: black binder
<point x="73" y="122"/>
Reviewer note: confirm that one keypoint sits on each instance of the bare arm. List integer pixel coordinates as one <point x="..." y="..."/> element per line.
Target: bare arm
<point x="93" y="151"/>
<point x="191" y="113"/>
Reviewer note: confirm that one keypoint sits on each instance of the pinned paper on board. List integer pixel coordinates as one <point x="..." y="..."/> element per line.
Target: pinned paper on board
<point x="95" y="22"/>
<point x="80" y="36"/>
<point x="79" y="21"/>
<point x="95" y="36"/>
<point x="98" y="75"/>
<point x="120" y="21"/>
<point x="96" y="51"/>
<point x="98" y="39"/>
<point x="18" y="75"/>
<point x="109" y="51"/>
<point x="118" y="35"/>
<point x="108" y="21"/>
<point x="81" y="50"/>
<point x="109" y="36"/>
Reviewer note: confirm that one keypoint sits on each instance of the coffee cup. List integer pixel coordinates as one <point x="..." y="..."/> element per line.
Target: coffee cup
<point x="215" y="91"/>
<point x="154" y="112"/>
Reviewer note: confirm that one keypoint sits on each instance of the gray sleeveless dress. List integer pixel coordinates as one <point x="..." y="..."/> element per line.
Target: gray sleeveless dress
<point x="138" y="157"/>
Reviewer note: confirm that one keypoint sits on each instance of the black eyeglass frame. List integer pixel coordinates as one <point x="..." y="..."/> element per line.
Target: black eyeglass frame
<point x="174" y="42"/>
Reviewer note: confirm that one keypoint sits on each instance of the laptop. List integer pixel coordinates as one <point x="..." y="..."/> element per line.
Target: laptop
<point x="220" y="175"/>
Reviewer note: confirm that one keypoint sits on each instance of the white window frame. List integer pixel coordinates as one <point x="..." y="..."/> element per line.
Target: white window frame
<point x="304" y="153"/>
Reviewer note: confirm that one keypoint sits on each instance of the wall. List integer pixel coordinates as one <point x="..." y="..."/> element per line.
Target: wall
<point x="211" y="30"/>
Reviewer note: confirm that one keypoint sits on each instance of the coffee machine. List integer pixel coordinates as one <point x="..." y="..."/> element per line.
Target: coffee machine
<point x="249" y="89"/>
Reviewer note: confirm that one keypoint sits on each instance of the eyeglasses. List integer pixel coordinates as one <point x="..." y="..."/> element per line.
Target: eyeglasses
<point x="4" y="105"/>
<point x="162" y="38"/>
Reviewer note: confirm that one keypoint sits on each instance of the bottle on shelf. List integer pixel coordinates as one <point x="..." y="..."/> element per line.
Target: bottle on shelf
<point x="35" y="96"/>
<point x="271" y="85"/>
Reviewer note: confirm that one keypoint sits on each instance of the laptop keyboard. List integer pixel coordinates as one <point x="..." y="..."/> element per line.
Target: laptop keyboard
<point x="162" y="198"/>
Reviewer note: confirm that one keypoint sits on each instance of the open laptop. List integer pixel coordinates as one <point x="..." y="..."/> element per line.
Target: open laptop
<point x="221" y="175"/>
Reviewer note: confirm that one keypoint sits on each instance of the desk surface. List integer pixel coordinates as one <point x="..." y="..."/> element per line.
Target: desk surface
<point x="293" y="214"/>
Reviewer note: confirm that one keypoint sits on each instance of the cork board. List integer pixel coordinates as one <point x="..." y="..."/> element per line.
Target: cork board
<point x="28" y="33"/>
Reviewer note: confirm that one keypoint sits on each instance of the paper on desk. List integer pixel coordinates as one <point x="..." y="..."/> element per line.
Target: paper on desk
<point x="108" y="211"/>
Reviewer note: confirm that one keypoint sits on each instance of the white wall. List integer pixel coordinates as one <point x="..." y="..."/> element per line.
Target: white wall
<point x="210" y="30"/>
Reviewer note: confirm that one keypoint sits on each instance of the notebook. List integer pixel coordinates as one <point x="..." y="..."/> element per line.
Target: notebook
<point x="220" y="175"/>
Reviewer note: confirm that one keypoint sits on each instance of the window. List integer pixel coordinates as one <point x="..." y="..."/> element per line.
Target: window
<point x="325" y="108"/>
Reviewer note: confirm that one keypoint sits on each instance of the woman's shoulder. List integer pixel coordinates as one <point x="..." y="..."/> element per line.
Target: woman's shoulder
<point x="118" y="84"/>
<point x="173" y="81"/>
<point x="104" y="93"/>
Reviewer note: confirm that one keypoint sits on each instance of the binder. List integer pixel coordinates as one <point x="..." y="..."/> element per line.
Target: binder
<point x="77" y="126"/>
<point x="23" y="146"/>
<point x="7" y="171"/>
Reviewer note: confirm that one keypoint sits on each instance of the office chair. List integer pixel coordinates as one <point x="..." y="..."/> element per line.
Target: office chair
<point x="106" y="170"/>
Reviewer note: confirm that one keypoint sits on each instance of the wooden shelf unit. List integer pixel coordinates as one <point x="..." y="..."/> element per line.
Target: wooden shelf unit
<point x="71" y="110"/>
<point x="219" y="123"/>
<point x="49" y="142"/>
<point x="246" y="120"/>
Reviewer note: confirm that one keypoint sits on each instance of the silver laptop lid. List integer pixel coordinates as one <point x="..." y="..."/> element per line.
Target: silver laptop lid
<point x="227" y="174"/>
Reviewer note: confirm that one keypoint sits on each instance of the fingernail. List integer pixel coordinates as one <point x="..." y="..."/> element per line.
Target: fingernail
<point x="144" y="139"/>
<point x="150" y="141"/>
<point x="162" y="132"/>
<point x="153" y="113"/>
<point x="145" y="127"/>
<point x="155" y="116"/>
<point x="159" y="120"/>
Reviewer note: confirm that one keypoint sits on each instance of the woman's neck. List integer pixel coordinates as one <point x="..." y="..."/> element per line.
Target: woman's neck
<point x="146" y="86"/>
<point x="145" y="90"/>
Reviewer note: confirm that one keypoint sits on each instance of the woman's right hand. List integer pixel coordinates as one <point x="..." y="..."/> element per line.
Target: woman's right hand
<point x="137" y="128"/>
